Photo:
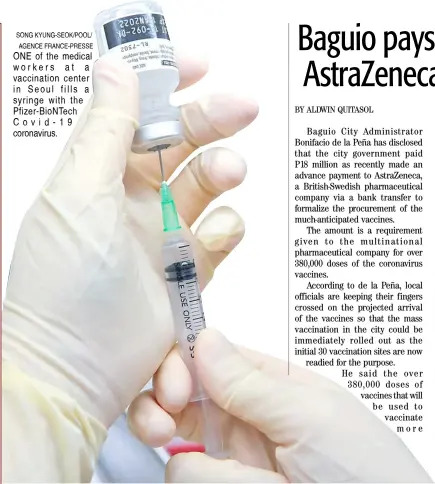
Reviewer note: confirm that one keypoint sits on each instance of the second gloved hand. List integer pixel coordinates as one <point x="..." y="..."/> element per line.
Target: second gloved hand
<point x="278" y="428"/>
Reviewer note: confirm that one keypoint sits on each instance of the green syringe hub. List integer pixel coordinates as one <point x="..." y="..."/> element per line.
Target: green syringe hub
<point x="169" y="211"/>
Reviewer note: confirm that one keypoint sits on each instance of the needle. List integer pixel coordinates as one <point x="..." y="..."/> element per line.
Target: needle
<point x="161" y="163"/>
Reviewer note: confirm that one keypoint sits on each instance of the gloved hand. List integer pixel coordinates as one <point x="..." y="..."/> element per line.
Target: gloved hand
<point x="279" y="428"/>
<point x="86" y="308"/>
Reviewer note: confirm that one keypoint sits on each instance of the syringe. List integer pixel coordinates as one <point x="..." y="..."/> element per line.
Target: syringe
<point x="185" y="297"/>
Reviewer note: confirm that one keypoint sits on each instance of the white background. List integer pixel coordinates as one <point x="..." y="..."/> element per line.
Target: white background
<point x="247" y="45"/>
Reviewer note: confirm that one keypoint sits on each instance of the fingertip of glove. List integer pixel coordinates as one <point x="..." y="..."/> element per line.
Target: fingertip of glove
<point x="213" y="344"/>
<point x="217" y="116"/>
<point x="223" y="168"/>
<point x="222" y="230"/>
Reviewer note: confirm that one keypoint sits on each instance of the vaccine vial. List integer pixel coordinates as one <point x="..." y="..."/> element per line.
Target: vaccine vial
<point x="138" y="34"/>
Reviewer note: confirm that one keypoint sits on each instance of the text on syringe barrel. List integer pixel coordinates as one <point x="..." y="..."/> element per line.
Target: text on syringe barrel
<point x="185" y="297"/>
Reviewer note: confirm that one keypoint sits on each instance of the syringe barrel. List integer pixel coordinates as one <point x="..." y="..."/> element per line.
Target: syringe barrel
<point x="185" y="297"/>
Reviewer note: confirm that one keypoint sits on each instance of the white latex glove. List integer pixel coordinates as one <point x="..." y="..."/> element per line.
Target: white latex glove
<point x="278" y="428"/>
<point x="86" y="309"/>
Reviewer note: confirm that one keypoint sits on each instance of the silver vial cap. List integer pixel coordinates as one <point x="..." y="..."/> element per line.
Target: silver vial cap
<point x="148" y="137"/>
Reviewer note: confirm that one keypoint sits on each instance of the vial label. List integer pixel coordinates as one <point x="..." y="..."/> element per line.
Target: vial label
<point x="142" y="40"/>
